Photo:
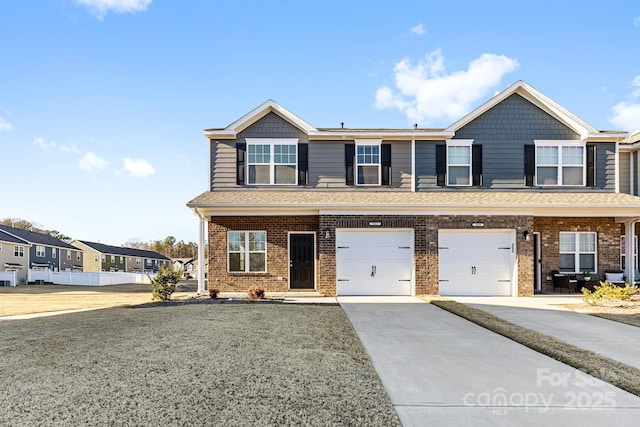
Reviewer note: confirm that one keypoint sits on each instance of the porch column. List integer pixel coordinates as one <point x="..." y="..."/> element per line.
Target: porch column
<point x="201" y="260"/>
<point x="629" y="237"/>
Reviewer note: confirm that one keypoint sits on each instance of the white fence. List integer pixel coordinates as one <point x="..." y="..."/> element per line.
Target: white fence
<point x="8" y="276"/>
<point x="85" y="278"/>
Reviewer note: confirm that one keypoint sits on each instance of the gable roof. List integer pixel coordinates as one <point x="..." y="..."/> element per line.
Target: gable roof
<point x="6" y="237"/>
<point x="269" y="106"/>
<point x="123" y="251"/>
<point x="546" y="104"/>
<point x="36" y="238"/>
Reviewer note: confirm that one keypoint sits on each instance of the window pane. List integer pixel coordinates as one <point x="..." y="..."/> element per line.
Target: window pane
<point x="459" y="155"/>
<point x="587" y="262"/>
<point x="547" y="176"/>
<point x="368" y="154"/>
<point x="259" y="153"/>
<point x="284" y="154"/>
<point x="572" y="176"/>
<point x="257" y="262"/>
<point x="368" y="175"/>
<point x="257" y="241"/>
<point x="567" y="262"/>
<point x="459" y="175"/>
<point x="285" y="174"/>
<point x="236" y="262"/>
<point x="547" y="156"/>
<point x="236" y="241"/>
<point x="572" y="155"/>
<point x="567" y="242"/>
<point x="259" y="174"/>
<point x="587" y="242"/>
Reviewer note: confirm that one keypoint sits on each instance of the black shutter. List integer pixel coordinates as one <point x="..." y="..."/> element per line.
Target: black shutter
<point x="591" y="165"/>
<point x="385" y="162"/>
<point x="441" y="164"/>
<point x="476" y="164"/>
<point x="241" y="151"/>
<point x="303" y="164"/>
<point x="349" y="154"/>
<point x="529" y="164"/>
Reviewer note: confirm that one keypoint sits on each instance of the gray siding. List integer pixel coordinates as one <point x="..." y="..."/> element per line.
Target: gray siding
<point x="606" y="166"/>
<point x="625" y="173"/>
<point x="426" y="164"/>
<point x="223" y="164"/>
<point x="326" y="164"/>
<point x="401" y="164"/>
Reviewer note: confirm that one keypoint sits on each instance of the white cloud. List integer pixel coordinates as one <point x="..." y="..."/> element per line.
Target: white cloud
<point x="636" y="21"/>
<point x="425" y="92"/>
<point x="40" y="142"/>
<point x="626" y="114"/>
<point x="69" y="149"/>
<point x="139" y="168"/>
<point x="101" y="7"/>
<point x="5" y="126"/>
<point x="418" y="29"/>
<point x="91" y="162"/>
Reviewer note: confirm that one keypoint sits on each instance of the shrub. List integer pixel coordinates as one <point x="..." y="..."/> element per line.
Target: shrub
<point x="607" y="291"/>
<point x="164" y="284"/>
<point x="255" y="293"/>
<point x="213" y="293"/>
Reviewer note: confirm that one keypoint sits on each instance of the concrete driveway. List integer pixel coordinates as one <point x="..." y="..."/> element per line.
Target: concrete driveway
<point x="440" y="369"/>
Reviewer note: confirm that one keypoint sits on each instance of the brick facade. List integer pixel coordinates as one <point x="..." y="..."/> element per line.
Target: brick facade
<point x="425" y="247"/>
<point x="608" y="242"/>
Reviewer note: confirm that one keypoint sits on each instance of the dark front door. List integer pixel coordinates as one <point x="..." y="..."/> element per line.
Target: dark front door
<point x="302" y="261"/>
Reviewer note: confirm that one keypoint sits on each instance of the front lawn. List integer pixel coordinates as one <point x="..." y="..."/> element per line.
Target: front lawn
<point x="190" y="364"/>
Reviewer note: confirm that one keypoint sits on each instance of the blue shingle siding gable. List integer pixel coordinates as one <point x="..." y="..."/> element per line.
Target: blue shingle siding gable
<point x="515" y="119"/>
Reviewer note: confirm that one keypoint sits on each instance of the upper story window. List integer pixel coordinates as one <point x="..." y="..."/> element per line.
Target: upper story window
<point x="40" y="251"/>
<point x="578" y="252"/>
<point x="53" y="252"/>
<point x="560" y="163"/>
<point x="104" y="258"/>
<point x="459" y="163"/>
<point x="272" y="161"/>
<point x="78" y="256"/>
<point x="18" y="251"/>
<point x="368" y="163"/>
<point x="113" y="259"/>
<point x="68" y="255"/>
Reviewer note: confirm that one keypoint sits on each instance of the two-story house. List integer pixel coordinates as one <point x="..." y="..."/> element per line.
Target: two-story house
<point x="495" y="204"/>
<point x="101" y="257"/>
<point x="47" y="252"/>
<point x="14" y="256"/>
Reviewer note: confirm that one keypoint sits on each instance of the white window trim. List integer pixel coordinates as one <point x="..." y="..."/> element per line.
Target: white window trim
<point x="247" y="252"/>
<point x="577" y="252"/>
<point x="364" y="142"/>
<point x="68" y="255"/>
<point x="18" y="251"/>
<point x="38" y="253"/>
<point x="271" y="142"/>
<point x="635" y="252"/>
<point x="460" y="143"/>
<point x="559" y="144"/>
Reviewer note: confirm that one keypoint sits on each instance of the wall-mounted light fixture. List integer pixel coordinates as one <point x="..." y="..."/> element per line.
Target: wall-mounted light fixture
<point x="527" y="235"/>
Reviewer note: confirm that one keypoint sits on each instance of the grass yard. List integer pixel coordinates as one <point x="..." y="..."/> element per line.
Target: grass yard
<point x="195" y="363"/>
<point x="44" y="298"/>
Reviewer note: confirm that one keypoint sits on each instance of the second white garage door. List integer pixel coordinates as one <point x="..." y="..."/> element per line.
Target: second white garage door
<point x="374" y="262"/>
<point x="478" y="262"/>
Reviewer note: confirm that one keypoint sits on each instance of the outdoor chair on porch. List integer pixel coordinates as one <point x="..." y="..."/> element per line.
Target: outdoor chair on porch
<point x="564" y="281"/>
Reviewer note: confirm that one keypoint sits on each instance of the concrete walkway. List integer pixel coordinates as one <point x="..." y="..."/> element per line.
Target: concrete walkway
<point x="614" y="340"/>
<point x="440" y="369"/>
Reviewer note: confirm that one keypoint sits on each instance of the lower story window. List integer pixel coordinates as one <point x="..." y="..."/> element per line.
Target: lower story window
<point x="578" y="252"/>
<point x="247" y="251"/>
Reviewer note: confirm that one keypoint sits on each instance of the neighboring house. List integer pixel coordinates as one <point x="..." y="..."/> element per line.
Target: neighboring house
<point x="629" y="177"/>
<point x="101" y="257"/>
<point x="495" y="203"/>
<point x="185" y="265"/>
<point x="14" y="256"/>
<point x="47" y="252"/>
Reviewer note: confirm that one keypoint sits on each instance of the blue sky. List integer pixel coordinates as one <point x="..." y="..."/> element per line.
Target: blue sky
<point x="103" y="102"/>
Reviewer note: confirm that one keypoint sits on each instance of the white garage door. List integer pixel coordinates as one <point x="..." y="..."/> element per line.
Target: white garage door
<point x="374" y="262"/>
<point x="479" y="262"/>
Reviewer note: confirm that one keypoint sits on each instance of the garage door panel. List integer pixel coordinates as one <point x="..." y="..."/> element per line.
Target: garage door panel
<point x="475" y="262"/>
<point x="374" y="262"/>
